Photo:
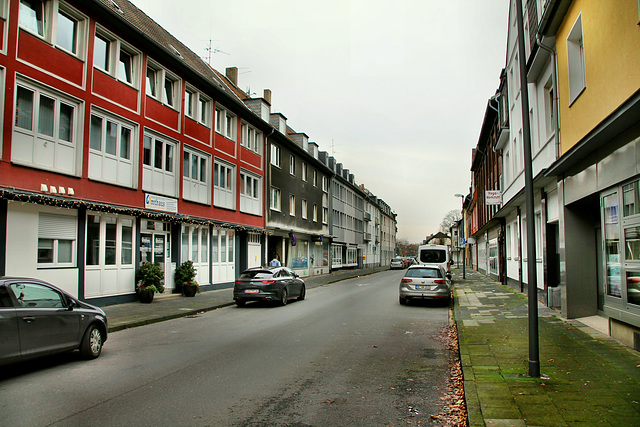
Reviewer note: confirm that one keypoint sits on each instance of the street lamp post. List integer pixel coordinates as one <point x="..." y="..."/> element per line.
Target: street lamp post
<point x="464" y="246"/>
<point x="534" y="357"/>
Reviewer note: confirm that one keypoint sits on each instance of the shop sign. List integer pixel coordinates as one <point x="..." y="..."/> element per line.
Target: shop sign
<point x="159" y="203"/>
<point x="493" y="197"/>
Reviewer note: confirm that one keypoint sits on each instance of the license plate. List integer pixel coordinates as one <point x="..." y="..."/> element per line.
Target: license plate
<point x="426" y="288"/>
<point x="251" y="291"/>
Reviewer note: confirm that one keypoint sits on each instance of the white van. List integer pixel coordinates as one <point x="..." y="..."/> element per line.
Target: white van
<point x="435" y="254"/>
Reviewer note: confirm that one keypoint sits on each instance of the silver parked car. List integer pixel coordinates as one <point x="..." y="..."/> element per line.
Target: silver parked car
<point x="425" y="282"/>
<point x="268" y="284"/>
<point x="396" y="263"/>
<point x="37" y="319"/>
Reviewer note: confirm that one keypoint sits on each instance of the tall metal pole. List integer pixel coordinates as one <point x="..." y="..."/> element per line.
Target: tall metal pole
<point x="534" y="357"/>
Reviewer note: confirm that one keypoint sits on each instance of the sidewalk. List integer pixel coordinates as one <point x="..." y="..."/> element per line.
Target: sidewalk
<point x="587" y="378"/>
<point x="129" y="315"/>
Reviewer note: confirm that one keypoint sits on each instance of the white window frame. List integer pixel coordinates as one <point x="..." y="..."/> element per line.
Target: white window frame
<point x="224" y="184"/>
<point x="157" y="90"/>
<point x="292" y="165"/>
<point x="325" y="184"/>
<point x="159" y="174"/>
<point x="115" y="47"/>
<point x="275" y="201"/>
<point x="197" y="106"/>
<point x="304" y="209"/>
<point x="292" y="205"/>
<point x="34" y="146"/>
<point x="116" y="168"/>
<point x="120" y="222"/>
<point x="303" y="168"/>
<point x="315" y="178"/>
<point x="315" y="212"/>
<point x="576" y="61"/>
<point x="196" y="185"/>
<point x="325" y="215"/>
<point x="57" y="228"/>
<point x="226" y="123"/>
<point x="275" y="155"/>
<point x="50" y="10"/>
<point x="250" y="193"/>
<point x="222" y="246"/>
<point x="250" y="137"/>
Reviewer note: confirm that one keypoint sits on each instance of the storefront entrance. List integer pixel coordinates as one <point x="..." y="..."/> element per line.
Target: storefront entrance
<point x="155" y="247"/>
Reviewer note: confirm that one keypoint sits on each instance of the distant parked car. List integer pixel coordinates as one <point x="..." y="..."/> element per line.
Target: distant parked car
<point x="396" y="263"/>
<point x="435" y="254"/>
<point x="37" y="319"/>
<point x="425" y="282"/>
<point x="268" y="284"/>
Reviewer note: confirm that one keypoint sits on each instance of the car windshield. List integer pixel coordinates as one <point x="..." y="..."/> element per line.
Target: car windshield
<point x="432" y="256"/>
<point x="257" y="274"/>
<point x="424" y="273"/>
<point x="396" y="260"/>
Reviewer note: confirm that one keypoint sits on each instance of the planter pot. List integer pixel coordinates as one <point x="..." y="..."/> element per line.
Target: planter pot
<point x="145" y="296"/>
<point x="189" y="291"/>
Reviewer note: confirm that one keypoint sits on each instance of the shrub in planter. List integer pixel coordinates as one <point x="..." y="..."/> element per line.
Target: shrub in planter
<point x="185" y="279"/>
<point x="149" y="280"/>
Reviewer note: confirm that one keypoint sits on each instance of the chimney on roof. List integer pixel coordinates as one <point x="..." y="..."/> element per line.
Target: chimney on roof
<point x="267" y="95"/>
<point x="232" y="75"/>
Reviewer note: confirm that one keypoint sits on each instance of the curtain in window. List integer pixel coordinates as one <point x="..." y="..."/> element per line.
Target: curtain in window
<point x="24" y="108"/>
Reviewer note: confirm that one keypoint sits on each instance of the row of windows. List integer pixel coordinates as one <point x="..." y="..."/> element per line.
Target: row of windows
<point x="276" y="161"/>
<point x="110" y="241"/>
<point x="45" y="136"/>
<point x="347" y="196"/>
<point x="66" y="28"/>
<point x="276" y="205"/>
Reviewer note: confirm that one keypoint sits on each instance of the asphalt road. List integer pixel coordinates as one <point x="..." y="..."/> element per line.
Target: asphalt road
<point x="349" y="354"/>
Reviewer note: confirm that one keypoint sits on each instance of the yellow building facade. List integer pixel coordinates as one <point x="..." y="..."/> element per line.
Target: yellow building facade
<point x="597" y="47"/>
<point x="611" y="39"/>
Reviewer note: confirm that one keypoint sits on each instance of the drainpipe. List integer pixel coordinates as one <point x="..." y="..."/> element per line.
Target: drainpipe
<point x="554" y="82"/>
<point x="520" y="250"/>
<point x="266" y="199"/>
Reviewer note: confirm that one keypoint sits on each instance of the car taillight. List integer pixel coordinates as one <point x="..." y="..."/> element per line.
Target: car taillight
<point x="268" y="282"/>
<point x="440" y="282"/>
<point x="238" y="282"/>
<point x="407" y="280"/>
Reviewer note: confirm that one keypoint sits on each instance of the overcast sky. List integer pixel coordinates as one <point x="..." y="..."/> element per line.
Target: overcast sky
<point x="395" y="90"/>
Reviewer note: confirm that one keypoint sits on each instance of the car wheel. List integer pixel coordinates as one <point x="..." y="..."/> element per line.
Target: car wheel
<point x="91" y="345"/>
<point x="240" y="303"/>
<point x="303" y="292"/>
<point x="403" y="301"/>
<point x="284" y="297"/>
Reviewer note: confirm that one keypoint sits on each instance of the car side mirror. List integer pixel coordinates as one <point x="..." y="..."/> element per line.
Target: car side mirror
<point x="71" y="304"/>
<point x="449" y="276"/>
<point x="296" y="275"/>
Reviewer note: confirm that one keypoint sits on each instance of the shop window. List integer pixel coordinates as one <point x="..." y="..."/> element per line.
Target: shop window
<point x="631" y="198"/>
<point x="612" y="245"/>
<point x="633" y="287"/>
<point x="56" y="240"/>
<point x="109" y="240"/>
<point x="632" y="243"/>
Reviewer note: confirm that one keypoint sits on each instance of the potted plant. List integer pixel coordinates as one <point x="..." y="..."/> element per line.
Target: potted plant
<point x="149" y="280"/>
<point x="185" y="276"/>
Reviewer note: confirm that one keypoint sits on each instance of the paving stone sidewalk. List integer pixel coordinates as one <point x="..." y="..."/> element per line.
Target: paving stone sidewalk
<point x="587" y="378"/>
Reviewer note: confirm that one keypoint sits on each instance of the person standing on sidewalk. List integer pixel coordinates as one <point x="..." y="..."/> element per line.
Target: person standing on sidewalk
<point x="275" y="262"/>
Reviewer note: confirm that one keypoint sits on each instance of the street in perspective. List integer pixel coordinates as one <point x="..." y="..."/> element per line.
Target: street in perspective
<point x="349" y="354"/>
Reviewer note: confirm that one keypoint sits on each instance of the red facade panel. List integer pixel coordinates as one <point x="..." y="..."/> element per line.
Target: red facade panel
<point x="225" y="145"/>
<point x="162" y="114"/>
<point x="250" y="158"/>
<point x="197" y="131"/>
<point x="42" y="55"/>
<point x="118" y="92"/>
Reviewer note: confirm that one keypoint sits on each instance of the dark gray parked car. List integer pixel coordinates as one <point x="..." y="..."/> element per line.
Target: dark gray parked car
<point x="37" y="318"/>
<point x="268" y="284"/>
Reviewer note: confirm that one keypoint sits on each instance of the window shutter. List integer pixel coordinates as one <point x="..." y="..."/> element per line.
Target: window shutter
<point x="51" y="226"/>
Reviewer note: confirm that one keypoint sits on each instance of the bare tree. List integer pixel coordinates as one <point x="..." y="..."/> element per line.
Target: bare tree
<point x="449" y="219"/>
